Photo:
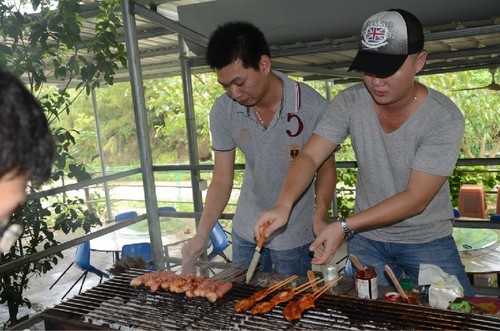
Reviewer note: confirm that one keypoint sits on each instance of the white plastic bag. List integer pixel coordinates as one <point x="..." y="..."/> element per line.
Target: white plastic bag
<point x="443" y="288"/>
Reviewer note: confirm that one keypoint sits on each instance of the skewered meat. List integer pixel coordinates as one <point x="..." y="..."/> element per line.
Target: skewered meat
<point x="262" y="307"/>
<point x="246" y="303"/>
<point x="307" y="301"/>
<point x="243" y="304"/>
<point x="292" y="311"/>
<point x="283" y="296"/>
<point x="188" y="284"/>
<point x="217" y="290"/>
<point x="223" y="288"/>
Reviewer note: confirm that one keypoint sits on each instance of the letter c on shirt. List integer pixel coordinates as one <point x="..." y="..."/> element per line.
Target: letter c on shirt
<point x="300" y="126"/>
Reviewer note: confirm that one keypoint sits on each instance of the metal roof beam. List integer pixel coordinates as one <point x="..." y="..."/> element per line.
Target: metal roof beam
<point x="169" y="24"/>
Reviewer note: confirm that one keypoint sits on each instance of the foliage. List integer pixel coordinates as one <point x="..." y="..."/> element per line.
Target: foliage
<point x="49" y="42"/>
<point x="479" y="107"/>
<point x="167" y="122"/>
<point x="35" y="45"/>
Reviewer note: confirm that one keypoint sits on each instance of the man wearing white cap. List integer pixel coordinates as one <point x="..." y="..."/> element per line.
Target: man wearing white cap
<point x="406" y="138"/>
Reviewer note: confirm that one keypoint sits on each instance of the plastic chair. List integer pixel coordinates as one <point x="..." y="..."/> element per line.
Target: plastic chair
<point x="167" y="209"/>
<point x="472" y="201"/>
<point x="125" y="215"/>
<point x="219" y="241"/>
<point x="82" y="261"/>
<point x="142" y="250"/>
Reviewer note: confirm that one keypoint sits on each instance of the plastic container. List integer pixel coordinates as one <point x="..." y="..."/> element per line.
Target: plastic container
<point x="472" y="201"/>
<point x="366" y="283"/>
<point x="393" y="297"/>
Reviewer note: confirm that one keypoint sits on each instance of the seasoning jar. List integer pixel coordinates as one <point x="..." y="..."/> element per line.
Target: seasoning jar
<point x="366" y="283"/>
<point x="330" y="272"/>
<point x="393" y="297"/>
<point x="412" y="297"/>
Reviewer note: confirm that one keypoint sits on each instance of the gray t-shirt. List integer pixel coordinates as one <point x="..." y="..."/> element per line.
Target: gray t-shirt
<point x="429" y="141"/>
<point x="268" y="154"/>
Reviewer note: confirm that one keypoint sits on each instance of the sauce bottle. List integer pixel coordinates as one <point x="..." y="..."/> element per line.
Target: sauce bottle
<point x="366" y="283"/>
<point x="413" y="294"/>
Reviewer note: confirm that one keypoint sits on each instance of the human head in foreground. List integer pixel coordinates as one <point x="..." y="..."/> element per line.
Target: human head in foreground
<point x="26" y="144"/>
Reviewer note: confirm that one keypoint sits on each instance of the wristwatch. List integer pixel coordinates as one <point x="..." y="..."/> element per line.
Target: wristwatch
<point x="347" y="231"/>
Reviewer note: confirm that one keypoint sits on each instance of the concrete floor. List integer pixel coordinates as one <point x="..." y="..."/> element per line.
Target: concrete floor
<point x="42" y="298"/>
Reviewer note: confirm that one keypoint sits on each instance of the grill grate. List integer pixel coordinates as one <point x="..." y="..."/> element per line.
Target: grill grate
<point x="115" y="305"/>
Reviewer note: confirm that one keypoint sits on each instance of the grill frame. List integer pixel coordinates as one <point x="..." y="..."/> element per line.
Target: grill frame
<point x="165" y="310"/>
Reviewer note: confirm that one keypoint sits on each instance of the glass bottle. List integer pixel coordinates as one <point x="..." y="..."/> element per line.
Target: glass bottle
<point x="366" y="283"/>
<point x="330" y="272"/>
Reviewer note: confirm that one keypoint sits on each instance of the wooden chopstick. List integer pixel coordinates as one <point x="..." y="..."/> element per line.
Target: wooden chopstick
<point x="281" y="283"/>
<point x="327" y="286"/>
<point x="395" y="281"/>
<point x="305" y="286"/>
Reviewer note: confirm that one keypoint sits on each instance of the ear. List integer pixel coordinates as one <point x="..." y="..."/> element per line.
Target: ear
<point x="420" y="61"/>
<point x="265" y="64"/>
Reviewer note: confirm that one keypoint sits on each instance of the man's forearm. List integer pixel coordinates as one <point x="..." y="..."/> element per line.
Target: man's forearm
<point x="326" y="181"/>
<point x="216" y="200"/>
<point x="298" y="178"/>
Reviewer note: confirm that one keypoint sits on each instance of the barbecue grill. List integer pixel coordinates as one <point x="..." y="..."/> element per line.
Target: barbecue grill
<point x="114" y="304"/>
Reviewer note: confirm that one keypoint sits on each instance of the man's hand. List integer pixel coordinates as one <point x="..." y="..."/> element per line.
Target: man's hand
<point x="276" y="216"/>
<point x="327" y="243"/>
<point x="191" y="251"/>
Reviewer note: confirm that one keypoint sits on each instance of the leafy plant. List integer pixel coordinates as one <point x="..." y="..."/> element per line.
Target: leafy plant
<point x="35" y="45"/>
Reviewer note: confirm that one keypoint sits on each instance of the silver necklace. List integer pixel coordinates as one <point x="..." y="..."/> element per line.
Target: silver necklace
<point x="384" y="115"/>
<point x="281" y="108"/>
<point x="260" y="118"/>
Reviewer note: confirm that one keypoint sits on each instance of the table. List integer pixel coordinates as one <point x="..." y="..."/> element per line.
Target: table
<point x="482" y="261"/>
<point x="479" y="251"/>
<point x="114" y="241"/>
<point x="474" y="239"/>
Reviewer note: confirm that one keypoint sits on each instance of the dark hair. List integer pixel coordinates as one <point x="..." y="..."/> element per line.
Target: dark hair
<point x="236" y="40"/>
<point x="26" y="144"/>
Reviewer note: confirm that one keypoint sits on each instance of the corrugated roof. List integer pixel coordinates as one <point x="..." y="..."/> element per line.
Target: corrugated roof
<point x="464" y="37"/>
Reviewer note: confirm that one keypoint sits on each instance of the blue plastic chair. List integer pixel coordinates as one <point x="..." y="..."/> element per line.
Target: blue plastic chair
<point x="167" y="209"/>
<point x="142" y="250"/>
<point x="125" y="215"/>
<point x="82" y="261"/>
<point x="219" y="241"/>
<point x="218" y="238"/>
